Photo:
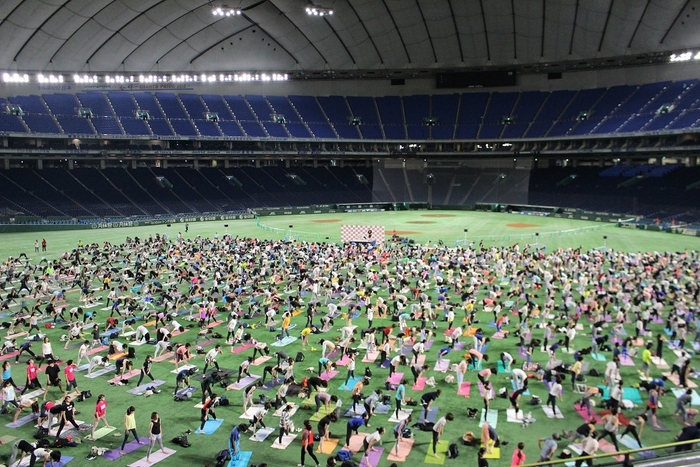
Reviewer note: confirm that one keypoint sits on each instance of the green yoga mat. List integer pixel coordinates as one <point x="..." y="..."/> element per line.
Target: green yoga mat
<point x="441" y="450"/>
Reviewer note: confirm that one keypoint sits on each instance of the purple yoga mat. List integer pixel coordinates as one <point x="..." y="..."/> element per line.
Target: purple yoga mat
<point x="372" y="458"/>
<point x="132" y="446"/>
<point x="522" y="352"/>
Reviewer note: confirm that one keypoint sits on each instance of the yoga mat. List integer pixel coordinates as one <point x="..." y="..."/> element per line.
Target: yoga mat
<point x="548" y="411"/>
<point x="351" y="384"/>
<point x="608" y="448"/>
<point x="441" y="451"/>
<point x="101" y="371"/>
<point x="329" y="375"/>
<point x="632" y="394"/>
<point x="282" y="343"/>
<point x="286" y="441"/>
<point x="183" y="367"/>
<point x="405" y="447"/>
<point x="403" y="414"/>
<point x="420" y="384"/>
<point x="632" y="443"/>
<point x="584" y="413"/>
<point x="21" y="421"/>
<point x="626" y="360"/>
<point x="443" y="366"/>
<point x="351" y="413"/>
<point x="132" y="446"/>
<point x="260" y="360"/>
<point x="243" y="459"/>
<point x="510" y="414"/>
<point x="598" y="357"/>
<point x="291" y="411"/>
<point x="271" y="384"/>
<point x="675" y="380"/>
<point x="322" y="412"/>
<point x="395" y="378"/>
<point x="501" y="368"/>
<point x="661" y="427"/>
<point x="164" y="356"/>
<point x="252" y="412"/>
<point x="210" y="427"/>
<point x="356" y="445"/>
<point x="495" y="453"/>
<point x="7" y="439"/>
<point x="372" y="458"/>
<point x="491" y="417"/>
<point x="482" y="390"/>
<point x="343" y="361"/>
<point x="102" y="432"/>
<point x="329" y="445"/>
<point x="156" y="456"/>
<point x="370" y="357"/>
<point x="464" y="389"/>
<point x="242" y="347"/>
<point x="248" y="380"/>
<point x="678" y="392"/>
<point x="262" y="434"/>
<point x="512" y="383"/>
<point x="382" y="409"/>
<point x="660" y="363"/>
<point x="432" y="415"/>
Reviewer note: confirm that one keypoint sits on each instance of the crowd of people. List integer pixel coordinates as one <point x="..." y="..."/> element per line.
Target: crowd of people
<point x="550" y="315"/>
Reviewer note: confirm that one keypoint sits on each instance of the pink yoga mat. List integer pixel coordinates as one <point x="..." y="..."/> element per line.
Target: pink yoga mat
<point x="242" y="347"/>
<point x="626" y="360"/>
<point x="343" y="361"/>
<point x="328" y="375"/>
<point x="584" y="414"/>
<point x="405" y="447"/>
<point x="395" y="378"/>
<point x="420" y="385"/>
<point x="464" y="389"/>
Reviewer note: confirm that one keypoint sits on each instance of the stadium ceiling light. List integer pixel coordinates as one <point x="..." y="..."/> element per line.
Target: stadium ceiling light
<point x="313" y="10"/>
<point x="225" y="10"/>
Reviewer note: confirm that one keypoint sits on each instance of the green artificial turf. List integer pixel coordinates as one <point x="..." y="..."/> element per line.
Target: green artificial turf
<point x="423" y="226"/>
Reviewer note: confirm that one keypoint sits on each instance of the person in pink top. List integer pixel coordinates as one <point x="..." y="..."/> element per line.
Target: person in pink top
<point x="518" y="455"/>
<point x="69" y="371"/>
<point x="32" y="377"/>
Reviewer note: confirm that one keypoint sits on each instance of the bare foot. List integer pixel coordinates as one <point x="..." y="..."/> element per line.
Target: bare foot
<point x="436" y="456"/>
<point x="121" y="452"/>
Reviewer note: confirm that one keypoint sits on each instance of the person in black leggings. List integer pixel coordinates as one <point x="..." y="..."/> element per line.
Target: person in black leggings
<point x="67" y="412"/>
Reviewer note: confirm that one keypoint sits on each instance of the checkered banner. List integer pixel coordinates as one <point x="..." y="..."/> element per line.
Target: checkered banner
<point x="362" y="233"/>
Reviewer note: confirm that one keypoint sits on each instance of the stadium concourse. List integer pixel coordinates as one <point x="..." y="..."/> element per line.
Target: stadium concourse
<point x="454" y="327"/>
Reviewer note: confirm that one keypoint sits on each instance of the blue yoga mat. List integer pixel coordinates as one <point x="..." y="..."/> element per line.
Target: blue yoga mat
<point x="243" y="459"/>
<point x="210" y="426"/>
<point x="432" y="414"/>
<point x="351" y="384"/>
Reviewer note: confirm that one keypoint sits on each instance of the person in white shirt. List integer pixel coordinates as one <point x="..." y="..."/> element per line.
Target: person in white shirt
<point x="210" y="358"/>
<point x="519" y="376"/>
<point x="439" y="428"/>
<point x="83" y="352"/>
<point x="418" y="348"/>
<point x="162" y="346"/>
<point x="555" y="391"/>
<point x="589" y="447"/>
<point x="369" y="442"/>
<point x="142" y="334"/>
<point x="96" y="361"/>
<point x="507" y="360"/>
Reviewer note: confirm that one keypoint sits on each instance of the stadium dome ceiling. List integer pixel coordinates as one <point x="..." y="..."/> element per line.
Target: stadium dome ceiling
<point x="132" y="36"/>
